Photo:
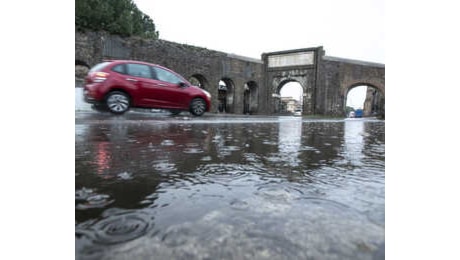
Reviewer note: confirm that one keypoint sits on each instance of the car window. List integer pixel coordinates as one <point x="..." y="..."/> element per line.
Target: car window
<point x="119" y="68"/>
<point x="167" y="76"/>
<point x="99" y="66"/>
<point x="139" y="70"/>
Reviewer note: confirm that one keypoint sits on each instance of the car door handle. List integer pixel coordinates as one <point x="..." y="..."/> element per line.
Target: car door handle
<point x="162" y="85"/>
<point x="131" y="79"/>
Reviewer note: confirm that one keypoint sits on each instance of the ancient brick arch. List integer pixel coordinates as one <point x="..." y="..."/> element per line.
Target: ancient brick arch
<point x="199" y="80"/>
<point x="375" y="83"/>
<point x="279" y="83"/>
<point x="370" y="76"/>
<point x="81" y="63"/>
<point x="374" y="103"/>
<point x="81" y="70"/>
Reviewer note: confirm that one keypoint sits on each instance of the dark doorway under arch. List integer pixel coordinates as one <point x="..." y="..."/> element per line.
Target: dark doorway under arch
<point x="199" y="81"/>
<point x="81" y="70"/>
<point x="225" y="95"/>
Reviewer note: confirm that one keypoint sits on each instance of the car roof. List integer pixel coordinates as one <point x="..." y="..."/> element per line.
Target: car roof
<point x="131" y="61"/>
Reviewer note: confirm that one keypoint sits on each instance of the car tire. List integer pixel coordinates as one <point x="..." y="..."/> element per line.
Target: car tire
<point x="197" y="106"/>
<point x="117" y="102"/>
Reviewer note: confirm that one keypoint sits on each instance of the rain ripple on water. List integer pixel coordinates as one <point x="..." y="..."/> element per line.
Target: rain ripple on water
<point x="88" y="199"/>
<point x="118" y="226"/>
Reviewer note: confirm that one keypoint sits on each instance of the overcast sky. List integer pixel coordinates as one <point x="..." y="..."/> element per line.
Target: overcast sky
<point x="352" y="29"/>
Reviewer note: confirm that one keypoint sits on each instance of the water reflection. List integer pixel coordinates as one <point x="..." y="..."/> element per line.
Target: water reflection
<point x="289" y="140"/>
<point x="235" y="190"/>
<point x="354" y="132"/>
<point x="102" y="157"/>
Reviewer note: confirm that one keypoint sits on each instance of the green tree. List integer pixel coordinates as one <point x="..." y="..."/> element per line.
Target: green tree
<point x="120" y="17"/>
<point x="349" y="109"/>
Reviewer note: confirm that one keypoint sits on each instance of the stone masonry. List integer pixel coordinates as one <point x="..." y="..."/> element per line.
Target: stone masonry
<point x="251" y="86"/>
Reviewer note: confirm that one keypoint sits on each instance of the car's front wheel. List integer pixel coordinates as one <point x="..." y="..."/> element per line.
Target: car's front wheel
<point x="118" y="102"/>
<point x="197" y="106"/>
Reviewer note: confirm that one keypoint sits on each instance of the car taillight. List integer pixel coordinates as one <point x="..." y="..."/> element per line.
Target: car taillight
<point x="100" y="76"/>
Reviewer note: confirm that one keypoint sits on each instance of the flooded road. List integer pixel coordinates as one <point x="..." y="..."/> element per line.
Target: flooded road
<point x="159" y="187"/>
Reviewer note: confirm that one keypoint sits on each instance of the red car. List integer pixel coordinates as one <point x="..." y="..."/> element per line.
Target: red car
<point x="120" y="84"/>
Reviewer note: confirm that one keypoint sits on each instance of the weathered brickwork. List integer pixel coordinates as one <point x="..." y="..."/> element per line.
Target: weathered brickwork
<point x="251" y="86"/>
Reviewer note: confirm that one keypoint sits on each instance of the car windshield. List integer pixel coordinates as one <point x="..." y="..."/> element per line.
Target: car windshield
<point x="99" y="66"/>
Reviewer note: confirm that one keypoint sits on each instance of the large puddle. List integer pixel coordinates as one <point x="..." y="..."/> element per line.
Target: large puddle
<point x="284" y="188"/>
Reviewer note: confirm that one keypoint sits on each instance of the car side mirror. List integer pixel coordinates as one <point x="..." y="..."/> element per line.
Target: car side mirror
<point x="182" y="85"/>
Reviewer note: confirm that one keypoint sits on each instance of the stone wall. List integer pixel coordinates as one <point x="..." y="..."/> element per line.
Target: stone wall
<point x="207" y="65"/>
<point x="325" y="84"/>
<point x="336" y="76"/>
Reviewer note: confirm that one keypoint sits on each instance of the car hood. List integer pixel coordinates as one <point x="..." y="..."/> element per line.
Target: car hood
<point x="198" y="89"/>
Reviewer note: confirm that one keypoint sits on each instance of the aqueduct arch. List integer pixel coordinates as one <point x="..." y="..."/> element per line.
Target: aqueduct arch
<point x="374" y="103"/>
<point x="347" y="85"/>
<point x="199" y="81"/>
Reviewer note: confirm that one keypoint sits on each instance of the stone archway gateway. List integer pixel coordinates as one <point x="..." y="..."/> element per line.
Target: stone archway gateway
<point x="324" y="80"/>
<point x="292" y="66"/>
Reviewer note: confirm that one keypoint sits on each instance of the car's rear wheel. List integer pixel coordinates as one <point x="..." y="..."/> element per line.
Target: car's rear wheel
<point x="197" y="106"/>
<point x="118" y="102"/>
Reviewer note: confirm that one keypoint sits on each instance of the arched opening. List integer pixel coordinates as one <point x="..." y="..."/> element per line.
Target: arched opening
<point x="81" y="63"/>
<point x="355" y="101"/>
<point x="199" y="81"/>
<point x="81" y="70"/>
<point x="225" y="95"/>
<point x="364" y="101"/>
<point x="290" y="98"/>
<point x="250" y="101"/>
